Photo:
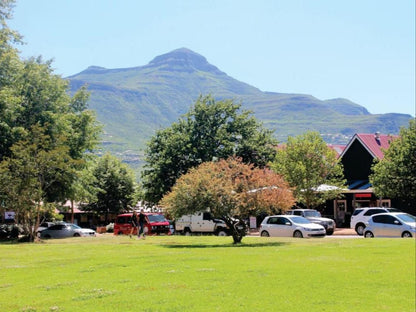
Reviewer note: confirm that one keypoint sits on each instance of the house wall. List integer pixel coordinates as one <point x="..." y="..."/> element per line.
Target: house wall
<point x="357" y="162"/>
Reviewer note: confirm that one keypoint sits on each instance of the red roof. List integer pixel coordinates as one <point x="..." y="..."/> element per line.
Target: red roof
<point x="374" y="143"/>
<point x="338" y="148"/>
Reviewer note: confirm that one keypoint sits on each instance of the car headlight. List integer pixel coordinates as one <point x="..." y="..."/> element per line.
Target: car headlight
<point x="307" y="229"/>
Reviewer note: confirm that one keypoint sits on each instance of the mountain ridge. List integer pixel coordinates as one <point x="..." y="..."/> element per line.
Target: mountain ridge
<point x="132" y="103"/>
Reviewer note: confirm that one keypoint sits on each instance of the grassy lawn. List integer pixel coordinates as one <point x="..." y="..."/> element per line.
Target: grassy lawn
<point x="174" y="273"/>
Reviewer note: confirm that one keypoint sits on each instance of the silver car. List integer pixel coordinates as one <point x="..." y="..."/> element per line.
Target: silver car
<point x="63" y="230"/>
<point x="290" y="225"/>
<point x="391" y="225"/>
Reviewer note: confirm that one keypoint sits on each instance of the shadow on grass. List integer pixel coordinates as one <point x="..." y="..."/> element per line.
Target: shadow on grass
<point x="231" y="245"/>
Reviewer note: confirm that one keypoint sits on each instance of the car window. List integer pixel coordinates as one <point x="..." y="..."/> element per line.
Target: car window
<point x="282" y="220"/>
<point x="300" y="220"/>
<point x="122" y="220"/>
<point x="161" y="218"/>
<point x="297" y="213"/>
<point x="272" y="220"/>
<point x="385" y="219"/>
<point x="312" y="213"/>
<point x="356" y="212"/>
<point x="392" y="210"/>
<point x="371" y="212"/>
<point x="406" y="217"/>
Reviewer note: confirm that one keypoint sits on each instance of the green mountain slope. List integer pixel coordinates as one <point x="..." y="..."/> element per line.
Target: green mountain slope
<point x="132" y="103"/>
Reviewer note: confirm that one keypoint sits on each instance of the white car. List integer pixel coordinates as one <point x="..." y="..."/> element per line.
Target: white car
<point x="361" y="216"/>
<point x="290" y="225"/>
<point x="63" y="230"/>
<point x="391" y="225"/>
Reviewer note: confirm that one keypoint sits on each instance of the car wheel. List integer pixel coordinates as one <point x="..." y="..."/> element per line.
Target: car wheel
<point x="298" y="234"/>
<point x="38" y="234"/>
<point x="406" y="234"/>
<point x="187" y="232"/>
<point x="265" y="234"/>
<point x="368" y="234"/>
<point x="359" y="228"/>
<point x="76" y="235"/>
<point x="330" y="232"/>
<point x="221" y="233"/>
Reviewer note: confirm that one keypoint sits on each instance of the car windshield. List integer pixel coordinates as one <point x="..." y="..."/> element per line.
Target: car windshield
<point x="156" y="218"/>
<point x="74" y="226"/>
<point x="300" y="220"/>
<point x="406" y="217"/>
<point x="393" y="210"/>
<point x="312" y="213"/>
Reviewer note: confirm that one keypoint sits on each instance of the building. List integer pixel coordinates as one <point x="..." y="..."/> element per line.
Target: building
<point x="357" y="158"/>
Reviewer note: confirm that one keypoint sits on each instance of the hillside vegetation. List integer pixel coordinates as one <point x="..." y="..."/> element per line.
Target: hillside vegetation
<point x="134" y="102"/>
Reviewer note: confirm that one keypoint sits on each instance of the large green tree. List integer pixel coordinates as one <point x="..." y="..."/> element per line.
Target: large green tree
<point x="395" y="175"/>
<point x="307" y="163"/>
<point x="210" y="130"/>
<point x="231" y="191"/>
<point x="28" y="174"/>
<point x="34" y="100"/>
<point x="115" y="186"/>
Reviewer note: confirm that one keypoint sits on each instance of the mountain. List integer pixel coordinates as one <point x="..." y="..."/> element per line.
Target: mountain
<point x="132" y="103"/>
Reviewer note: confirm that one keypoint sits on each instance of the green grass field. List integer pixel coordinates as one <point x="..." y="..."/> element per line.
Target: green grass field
<point x="207" y="273"/>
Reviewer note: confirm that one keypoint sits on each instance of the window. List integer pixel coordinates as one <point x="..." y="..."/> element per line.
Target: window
<point x="282" y="221"/>
<point x="371" y="212"/>
<point x="297" y="213"/>
<point x="385" y="219"/>
<point x="272" y="220"/>
<point x="356" y="212"/>
<point x="206" y="216"/>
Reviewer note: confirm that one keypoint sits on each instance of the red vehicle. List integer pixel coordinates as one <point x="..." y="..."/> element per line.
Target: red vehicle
<point x="156" y="223"/>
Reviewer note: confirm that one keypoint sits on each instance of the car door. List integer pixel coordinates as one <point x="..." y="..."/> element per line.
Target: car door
<point x="393" y="226"/>
<point x="284" y="226"/>
<point x="272" y="227"/>
<point x="386" y="225"/>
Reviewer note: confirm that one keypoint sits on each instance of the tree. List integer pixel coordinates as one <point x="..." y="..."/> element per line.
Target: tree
<point x="114" y="182"/>
<point x="306" y="162"/>
<point x="231" y="191"/>
<point x="210" y="130"/>
<point x="395" y="175"/>
<point x="34" y="102"/>
<point x="27" y="175"/>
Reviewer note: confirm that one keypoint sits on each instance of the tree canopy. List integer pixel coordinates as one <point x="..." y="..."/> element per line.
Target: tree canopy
<point x="115" y="186"/>
<point x="210" y="130"/>
<point x="40" y="118"/>
<point x="306" y="162"/>
<point x="395" y="175"/>
<point x="230" y="190"/>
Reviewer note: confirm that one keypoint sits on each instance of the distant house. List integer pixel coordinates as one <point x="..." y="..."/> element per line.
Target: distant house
<point x="357" y="158"/>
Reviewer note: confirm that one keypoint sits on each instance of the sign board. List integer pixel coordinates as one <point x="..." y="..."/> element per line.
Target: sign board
<point x="253" y="222"/>
<point x="9" y="215"/>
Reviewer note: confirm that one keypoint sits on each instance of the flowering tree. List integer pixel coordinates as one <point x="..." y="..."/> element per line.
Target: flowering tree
<point x="231" y="191"/>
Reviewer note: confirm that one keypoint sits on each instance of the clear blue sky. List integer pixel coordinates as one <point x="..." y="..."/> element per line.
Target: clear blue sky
<point x="362" y="50"/>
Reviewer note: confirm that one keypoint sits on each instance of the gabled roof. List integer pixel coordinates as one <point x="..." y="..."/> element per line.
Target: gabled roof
<point x="373" y="143"/>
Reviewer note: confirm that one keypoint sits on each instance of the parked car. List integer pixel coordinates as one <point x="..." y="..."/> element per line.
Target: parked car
<point x="43" y="226"/>
<point x="315" y="217"/>
<point x="362" y="215"/>
<point x="391" y="225"/>
<point x="201" y="222"/>
<point x="290" y="225"/>
<point x="156" y="223"/>
<point x="63" y="230"/>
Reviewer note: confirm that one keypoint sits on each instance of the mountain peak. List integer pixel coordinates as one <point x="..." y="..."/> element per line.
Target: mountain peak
<point x="183" y="59"/>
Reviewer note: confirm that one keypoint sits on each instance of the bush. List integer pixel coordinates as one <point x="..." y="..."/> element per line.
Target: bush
<point x="10" y="231"/>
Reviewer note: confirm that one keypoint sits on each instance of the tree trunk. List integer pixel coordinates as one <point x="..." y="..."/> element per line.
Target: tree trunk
<point x="237" y="227"/>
